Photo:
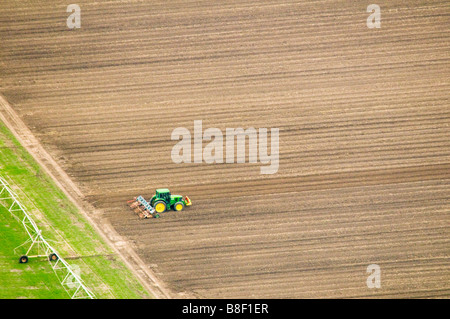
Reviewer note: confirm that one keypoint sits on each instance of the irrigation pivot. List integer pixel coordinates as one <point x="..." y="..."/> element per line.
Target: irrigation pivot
<point x="69" y="279"/>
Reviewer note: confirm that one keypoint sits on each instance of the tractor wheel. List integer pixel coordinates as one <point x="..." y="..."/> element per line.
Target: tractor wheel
<point x="160" y="207"/>
<point x="53" y="257"/>
<point x="23" y="259"/>
<point x="178" y="207"/>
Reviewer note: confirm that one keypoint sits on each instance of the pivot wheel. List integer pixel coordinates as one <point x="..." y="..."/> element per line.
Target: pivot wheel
<point x="23" y="259"/>
<point x="178" y="206"/>
<point x="53" y="257"/>
<point x="160" y="207"/>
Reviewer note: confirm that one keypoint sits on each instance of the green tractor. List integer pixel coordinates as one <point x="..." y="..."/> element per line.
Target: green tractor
<point x="163" y="200"/>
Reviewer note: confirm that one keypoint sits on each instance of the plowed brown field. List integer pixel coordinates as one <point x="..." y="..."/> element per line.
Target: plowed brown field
<point x="364" y="135"/>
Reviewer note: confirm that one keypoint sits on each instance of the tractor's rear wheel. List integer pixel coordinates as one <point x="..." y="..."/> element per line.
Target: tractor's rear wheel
<point x="178" y="206"/>
<point x="160" y="207"/>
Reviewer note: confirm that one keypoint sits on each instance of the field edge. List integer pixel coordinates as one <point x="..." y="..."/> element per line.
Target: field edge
<point x="22" y="138"/>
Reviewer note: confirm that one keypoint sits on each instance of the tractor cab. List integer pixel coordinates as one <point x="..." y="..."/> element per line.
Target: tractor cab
<point x="164" y="194"/>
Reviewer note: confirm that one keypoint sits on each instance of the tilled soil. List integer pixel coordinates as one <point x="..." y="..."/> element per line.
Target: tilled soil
<point x="363" y="116"/>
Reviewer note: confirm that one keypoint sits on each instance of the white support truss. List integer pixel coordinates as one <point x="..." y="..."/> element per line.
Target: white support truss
<point x="69" y="279"/>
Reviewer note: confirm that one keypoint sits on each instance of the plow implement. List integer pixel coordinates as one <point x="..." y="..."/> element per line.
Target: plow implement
<point x="162" y="201"/>
<point x="143" y="208"/>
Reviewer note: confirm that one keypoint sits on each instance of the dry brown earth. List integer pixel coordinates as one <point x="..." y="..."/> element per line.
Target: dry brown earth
<point x="364" y="135"/>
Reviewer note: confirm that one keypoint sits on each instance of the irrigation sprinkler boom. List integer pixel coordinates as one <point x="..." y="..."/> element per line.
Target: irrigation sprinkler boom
<point x="70" y="281"/>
